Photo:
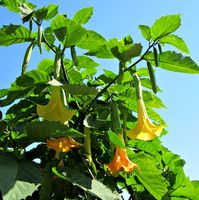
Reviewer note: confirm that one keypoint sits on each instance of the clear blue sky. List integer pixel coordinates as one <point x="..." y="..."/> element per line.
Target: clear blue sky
<point x="118" y="18"/>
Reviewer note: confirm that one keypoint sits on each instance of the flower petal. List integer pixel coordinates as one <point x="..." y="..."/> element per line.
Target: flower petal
<point x="145" y="129"/>
<point x="55" y="110"/>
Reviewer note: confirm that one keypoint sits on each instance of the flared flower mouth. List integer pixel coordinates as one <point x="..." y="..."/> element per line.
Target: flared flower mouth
<point x="62" y="144"/>
<point x="145" y="129"/>
<point x="55" y="110"/>
<point x="120" y="162"/>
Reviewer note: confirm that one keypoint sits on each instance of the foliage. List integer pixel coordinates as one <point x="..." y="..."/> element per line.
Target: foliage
<point x="103" y="108"/>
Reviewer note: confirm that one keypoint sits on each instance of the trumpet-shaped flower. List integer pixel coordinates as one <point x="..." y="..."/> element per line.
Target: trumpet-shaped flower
<point x="145" y="129"/>
<point x="55" y="110"/>
<point x="62" y="144"/>
<point x="120" y="162"/>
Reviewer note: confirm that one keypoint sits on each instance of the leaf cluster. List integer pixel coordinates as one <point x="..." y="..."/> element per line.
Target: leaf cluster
<point x="30" y="170"/>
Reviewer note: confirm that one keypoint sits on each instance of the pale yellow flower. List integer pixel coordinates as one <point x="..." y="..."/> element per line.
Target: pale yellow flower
<point x="145" y="129"/>
<point x="55" y="110"/>
<point x="120" y="162"/>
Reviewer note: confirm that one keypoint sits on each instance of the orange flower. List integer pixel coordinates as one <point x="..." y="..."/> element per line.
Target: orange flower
<point x="62" y="144"/>
<point x="55" y="110"/>
<point x="145" y="129"/>
<point x="120" y="162"/>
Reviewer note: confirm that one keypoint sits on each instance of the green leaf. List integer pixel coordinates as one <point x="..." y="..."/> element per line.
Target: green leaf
<point x="40" y="131"/>
<point x="187" y="190"/>
<point x="152" y="100"/>
<point x="41" y="13"/>
<point x="175" y="41"/>
<point x="91" y="186"/>
<point x="75" y="76"/>
<point x="12" y="5"/>
<point x="46" y="65"/>
<point x="3" y="93"/>
<point x="14" y="34"/>
<point x="142" y="72"/>
<point x="80" y="89"/>
<point x="67" y="31"/>
<point x="49" y="37"/>
<point x="82" y="16"/>
<point x="165" y="26"/>
<point x="52" y="11"/>
<point x="86" y="62"/>
<point x="176" y="62"/>
<point x="150" y="177"/>
<point x="172" y="160"/>
<point x="113" y="137"/>
<point x="90" y="39"/>
<point x="145" y="31"/>
<point x="132" y="52"/>
<point x="147" y="83"/>
<point x="18" y="178"/>
<point x="75" y="33"/>
<point x="30" y="79"/>
<point x="58" y="25"/>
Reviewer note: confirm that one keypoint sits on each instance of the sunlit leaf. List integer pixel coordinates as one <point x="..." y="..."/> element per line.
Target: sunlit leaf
<point x="52" y="11"/>
<point x="90" y="39"/>
<point x="151" y="177"/>
<point x="12" y="5"/>
<point x="164" y="26"/>
<point x="175" y="41"/>
<point x="114" y="138"/>
<point x="145" y="31"/>
<point x="172" y="61"/>
<point x="82" y="16"/>
<point x="14" y="34"/>
<point x="86" y="62"/>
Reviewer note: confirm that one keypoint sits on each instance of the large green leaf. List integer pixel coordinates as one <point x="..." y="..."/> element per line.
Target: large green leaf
<point x="86" y="62"/>
<point x="172" y="61"/>
<point x="80" y="89"/>
<point x="91" y="41"/>
<point x="149" y="175"/>
<point x="152" y="100"/>
<point x="18" y="178"/>
<point x="82" y="16"/>
<point x="12" y="5"/>
<point x="14" y="34"/>
<point x="40" y="131"/>
<point x="91" y="186"/>
<point x="164" y="26"/>
<point x="67" y="31"/>
<point x="46" y="65"/>
<point x="175" y="41"/>
<point x="52" y="11"/>
<point x="187" y="190"/>
<point x="145" y="31"/>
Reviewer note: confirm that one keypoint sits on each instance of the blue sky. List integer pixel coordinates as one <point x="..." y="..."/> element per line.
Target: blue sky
<point x="117" y="19"/>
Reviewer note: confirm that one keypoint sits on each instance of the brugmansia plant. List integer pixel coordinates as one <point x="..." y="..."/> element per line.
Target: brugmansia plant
<point x="73" y="132"/>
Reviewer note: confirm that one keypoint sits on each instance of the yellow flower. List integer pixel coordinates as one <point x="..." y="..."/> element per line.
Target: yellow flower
<point x="62" y="144"/>
<point x="145" y="129"/>
<point x="55" y="110"/>
<point x="120" y="162"/>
